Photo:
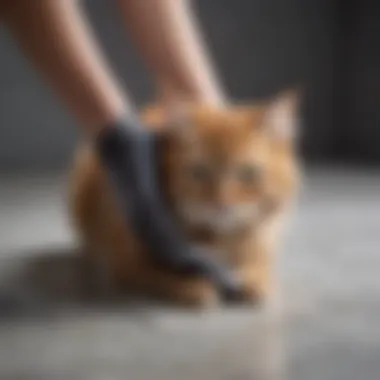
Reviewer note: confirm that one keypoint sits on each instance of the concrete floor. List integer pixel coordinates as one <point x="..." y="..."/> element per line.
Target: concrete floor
<point x="326" y="328"/>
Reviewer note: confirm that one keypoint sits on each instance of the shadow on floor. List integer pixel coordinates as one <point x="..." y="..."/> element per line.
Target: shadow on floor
<point x="40" y="282"/>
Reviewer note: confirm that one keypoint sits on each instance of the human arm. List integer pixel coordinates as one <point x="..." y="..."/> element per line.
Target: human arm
<point x="167" y="34"/>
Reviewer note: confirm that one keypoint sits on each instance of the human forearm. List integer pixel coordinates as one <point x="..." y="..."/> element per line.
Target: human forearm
<point x="57" y="39"/>
<point x="168" y="37"/>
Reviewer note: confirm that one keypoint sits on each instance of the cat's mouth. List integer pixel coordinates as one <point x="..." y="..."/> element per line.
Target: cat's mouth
<point x="221" y="219"/>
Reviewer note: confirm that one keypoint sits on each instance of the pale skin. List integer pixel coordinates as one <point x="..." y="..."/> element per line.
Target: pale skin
<point x="56" y="37"/>
<point x="168" y="36"/>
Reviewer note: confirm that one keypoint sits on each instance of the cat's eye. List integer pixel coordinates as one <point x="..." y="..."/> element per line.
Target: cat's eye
<point x="248" y="173"/>
<point x="199" y="172"/>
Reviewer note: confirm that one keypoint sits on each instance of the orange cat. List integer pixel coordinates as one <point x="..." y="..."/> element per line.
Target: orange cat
<point x="229" y="175"/>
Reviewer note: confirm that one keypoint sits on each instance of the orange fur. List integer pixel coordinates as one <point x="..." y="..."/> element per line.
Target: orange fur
<point x="228" y="176"/>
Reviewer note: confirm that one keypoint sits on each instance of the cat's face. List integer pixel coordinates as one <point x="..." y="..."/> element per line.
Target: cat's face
<point x="228" y="169"/>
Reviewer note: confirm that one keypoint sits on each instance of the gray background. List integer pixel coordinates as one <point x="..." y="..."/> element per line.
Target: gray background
<point x="259" y="46"/>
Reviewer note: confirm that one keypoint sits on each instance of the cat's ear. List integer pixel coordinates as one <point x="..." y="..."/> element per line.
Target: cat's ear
<point x="281" y="115"/>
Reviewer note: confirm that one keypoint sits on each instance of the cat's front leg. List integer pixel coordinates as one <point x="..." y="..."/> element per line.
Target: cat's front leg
<point x="256" y="269"/>
<point x="183" y="290"/>
<point x="256" y="263"/>
<point x="257" y="283"/>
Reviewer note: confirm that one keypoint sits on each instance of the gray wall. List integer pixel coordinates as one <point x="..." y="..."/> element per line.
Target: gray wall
<point x="259" y="47"/>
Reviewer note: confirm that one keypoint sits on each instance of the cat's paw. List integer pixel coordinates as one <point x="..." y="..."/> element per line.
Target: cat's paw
<point x="198" y="294"/>
<point x="255" y="293"/>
